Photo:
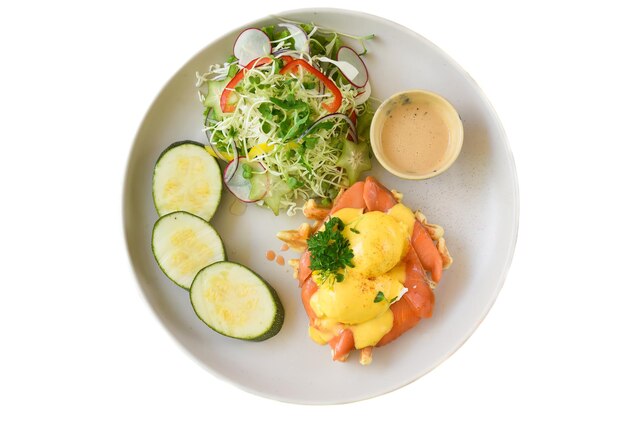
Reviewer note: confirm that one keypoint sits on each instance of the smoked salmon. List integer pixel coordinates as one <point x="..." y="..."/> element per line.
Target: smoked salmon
<point x="427" y="251"/>
<point x="304" y="269"/>
<point x="350" y="198"/>
<point x="377" y="197"/>
<point x="308" y="289"/>
<point x="419" y="293"/>
<point x="422" y="255"/>
<point x="341" y="345"/>
<point x="415" y="304"/>
<point x="404" y="318"/>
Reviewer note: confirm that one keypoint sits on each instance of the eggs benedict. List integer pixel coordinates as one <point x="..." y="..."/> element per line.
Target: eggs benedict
<point x="363" y="281"/>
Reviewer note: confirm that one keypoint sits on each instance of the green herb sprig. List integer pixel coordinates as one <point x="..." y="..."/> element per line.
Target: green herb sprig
<point x="381" y="296"/>
<point x="330" y="251"/>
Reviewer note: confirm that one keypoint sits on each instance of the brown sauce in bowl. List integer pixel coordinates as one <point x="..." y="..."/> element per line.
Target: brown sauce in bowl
<point x="415" y="136"/>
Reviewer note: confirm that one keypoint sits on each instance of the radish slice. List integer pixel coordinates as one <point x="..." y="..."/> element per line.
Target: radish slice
<point x="300" y="38"/>
<point x="250" y="44"/>
<point x="288" y="52"/>
<point x="230" y="169"/>
<point x="353" y="136"/>
<point x="233" y="149"/>
<point x="245" y="189"/>
<point x="341" y="116"/>
<point x="281" y="52"/>
<point x="347" y="70"/>
<point x="363" y="95"/>
<point x="347" y="54"/>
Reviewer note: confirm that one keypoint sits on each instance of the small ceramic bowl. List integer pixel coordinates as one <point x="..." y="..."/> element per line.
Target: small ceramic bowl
<point x="436" y="103"/>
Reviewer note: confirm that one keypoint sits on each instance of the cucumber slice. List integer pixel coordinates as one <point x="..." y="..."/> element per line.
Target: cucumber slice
<point x="183" y="244"/>
<point x="259" y="185"/>
<point x="236" y="302"/>
<point x="214" y="95"/>
<point x="187" y="178"/>
<point x="278" y="188"/>
<point x="355" y="158"/>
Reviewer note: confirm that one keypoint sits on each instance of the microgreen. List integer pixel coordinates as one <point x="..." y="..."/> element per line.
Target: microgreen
<point x="281" y="111"/>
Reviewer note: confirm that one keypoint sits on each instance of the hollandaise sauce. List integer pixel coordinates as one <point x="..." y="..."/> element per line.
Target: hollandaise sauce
<point x="361" y="302"/>
<point x="381" y="287"/>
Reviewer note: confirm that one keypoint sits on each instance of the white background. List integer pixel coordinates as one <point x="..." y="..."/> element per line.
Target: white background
<point x="77" y="339"/>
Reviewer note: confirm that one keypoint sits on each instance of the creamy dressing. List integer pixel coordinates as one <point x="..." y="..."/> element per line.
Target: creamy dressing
<point x="415" y="137"/>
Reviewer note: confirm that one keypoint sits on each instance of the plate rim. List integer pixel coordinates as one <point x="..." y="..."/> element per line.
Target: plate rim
<point x="510" y="252"/>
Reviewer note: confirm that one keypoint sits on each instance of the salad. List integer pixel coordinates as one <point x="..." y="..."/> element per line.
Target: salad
<point x="289" y="113"/>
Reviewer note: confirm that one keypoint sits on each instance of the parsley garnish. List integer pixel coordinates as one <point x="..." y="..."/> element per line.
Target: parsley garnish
<point x="330" y="251"/>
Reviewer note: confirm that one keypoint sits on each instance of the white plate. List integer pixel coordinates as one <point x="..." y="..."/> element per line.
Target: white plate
<point x="476" y="201"/>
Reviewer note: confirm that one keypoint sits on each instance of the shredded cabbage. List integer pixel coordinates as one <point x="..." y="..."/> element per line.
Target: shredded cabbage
<point x="273" y="112"/>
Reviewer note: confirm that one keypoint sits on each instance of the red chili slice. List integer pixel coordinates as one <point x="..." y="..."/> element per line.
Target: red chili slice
<point x="332" y="106"/>
<point x="230" y="87"/>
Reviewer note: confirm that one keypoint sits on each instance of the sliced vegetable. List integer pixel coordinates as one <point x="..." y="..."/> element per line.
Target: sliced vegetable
<point x="248" y="181"/>
<point x="213" y="96"/>
<point x="236" y="302"/>
<point x="250" y="44"/>
<point x="212" y="147"/>
<point x="259" y="186"/>
<point x="334" y="105"/>
<point x="354" y="119"/>
<point x="348" y="55"/>
<point x="300" y="38"/>
<point x="186" y="178"/>
<point x="230" y="169"/>
<point x="355" y="159"/>
<point x="260" y="149"/>
<point x="225" y="100"/>
<point x="286" y="54"/>
<point x="275" y="115"/>
<point x="275" y="194"/>
<point x="183" y="244"/>
<point x="363" y="95"/>
<point x="348" y="70"/>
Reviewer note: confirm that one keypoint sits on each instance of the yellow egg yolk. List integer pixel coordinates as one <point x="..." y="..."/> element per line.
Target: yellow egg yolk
<point x="379" y="242"/>
<point x="353" y="300"/>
